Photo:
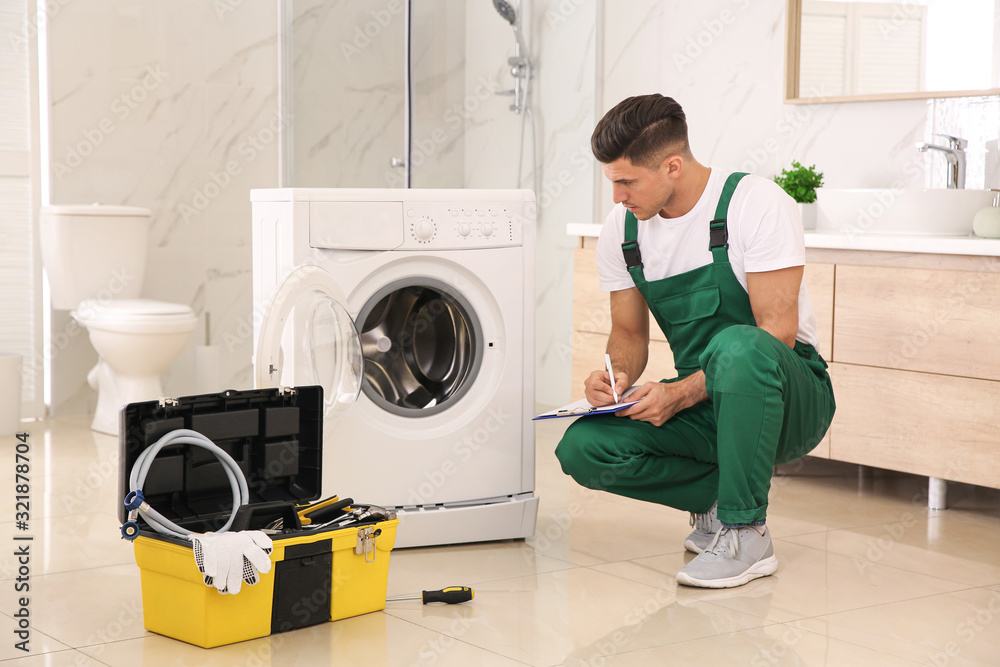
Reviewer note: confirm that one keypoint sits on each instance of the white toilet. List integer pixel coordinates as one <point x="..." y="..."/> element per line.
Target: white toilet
<point x="95" y="260"/>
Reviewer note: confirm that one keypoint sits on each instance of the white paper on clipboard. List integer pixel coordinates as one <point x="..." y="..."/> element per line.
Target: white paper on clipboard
<point x="583" y="408"/>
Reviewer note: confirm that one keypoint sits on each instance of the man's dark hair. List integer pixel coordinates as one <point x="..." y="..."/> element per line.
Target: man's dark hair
<point x="644" y="130"/>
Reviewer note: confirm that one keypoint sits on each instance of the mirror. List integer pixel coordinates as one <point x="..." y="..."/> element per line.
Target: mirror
<point x="891" y="49"/>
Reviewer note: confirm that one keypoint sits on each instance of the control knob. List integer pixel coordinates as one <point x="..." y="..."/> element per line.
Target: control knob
<point x="486" y="229"/>
<point x="464" y="229"/>
<point x="424" y="229"/>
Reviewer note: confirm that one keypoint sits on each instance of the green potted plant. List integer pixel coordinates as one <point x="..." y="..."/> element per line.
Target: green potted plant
<point x="801" y="183"/>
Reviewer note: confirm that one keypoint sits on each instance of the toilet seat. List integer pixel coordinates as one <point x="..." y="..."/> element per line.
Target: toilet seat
<point x="135" y="316"/>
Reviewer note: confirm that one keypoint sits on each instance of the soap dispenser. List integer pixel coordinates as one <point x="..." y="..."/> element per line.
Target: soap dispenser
<point x="987" y="221"/>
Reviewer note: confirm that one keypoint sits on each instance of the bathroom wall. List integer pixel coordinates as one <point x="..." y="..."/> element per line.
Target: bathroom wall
<point x="170" y="106"/>
<point x="562" y="39"/>
<point x="724" y="62"/>
<point x="173" y="105"/>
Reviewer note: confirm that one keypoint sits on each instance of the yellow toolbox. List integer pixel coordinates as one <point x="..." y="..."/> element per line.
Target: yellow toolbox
<point x="275" y="436"/>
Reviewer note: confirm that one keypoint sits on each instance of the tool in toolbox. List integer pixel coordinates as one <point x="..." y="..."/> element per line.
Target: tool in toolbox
<point x="315" y="561"/>
<point x="323" y="510"/>
<point x="333" y="512"/>
<point x="450" y="595"/>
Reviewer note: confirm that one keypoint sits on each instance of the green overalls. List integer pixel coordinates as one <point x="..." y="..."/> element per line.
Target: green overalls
<point x="768" y="403"/>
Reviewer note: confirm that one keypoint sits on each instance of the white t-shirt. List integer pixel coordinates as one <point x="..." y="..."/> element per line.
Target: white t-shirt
<point x="765" y="234"/>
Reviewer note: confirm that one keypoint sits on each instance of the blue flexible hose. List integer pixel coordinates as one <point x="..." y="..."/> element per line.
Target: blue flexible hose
<point x="238" y="481"/>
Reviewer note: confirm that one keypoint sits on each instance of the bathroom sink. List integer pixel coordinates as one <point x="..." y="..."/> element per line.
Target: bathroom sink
<point x="912" y="212"/>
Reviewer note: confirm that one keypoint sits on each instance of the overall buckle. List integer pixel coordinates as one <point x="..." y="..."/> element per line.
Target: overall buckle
<point x="718" y="234"/>
<point x="630" y="250"/>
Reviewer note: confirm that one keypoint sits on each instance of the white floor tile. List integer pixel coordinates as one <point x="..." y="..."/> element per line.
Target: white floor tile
<point x="866" y="576"/>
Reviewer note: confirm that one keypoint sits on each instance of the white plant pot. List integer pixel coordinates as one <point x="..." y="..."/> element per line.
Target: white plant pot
<point x="808" y="214"/>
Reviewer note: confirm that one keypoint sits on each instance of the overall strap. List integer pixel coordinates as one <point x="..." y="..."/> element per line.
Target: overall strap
<point x="630" y="249"/>
<point x="718" y="232"/>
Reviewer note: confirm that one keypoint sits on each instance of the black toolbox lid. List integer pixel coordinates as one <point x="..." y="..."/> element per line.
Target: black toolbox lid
<point x="275" y="435"/>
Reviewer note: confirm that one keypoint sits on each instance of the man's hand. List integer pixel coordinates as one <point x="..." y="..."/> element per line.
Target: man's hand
<point x="597" y="388"/>
<point x="659" y="401"/>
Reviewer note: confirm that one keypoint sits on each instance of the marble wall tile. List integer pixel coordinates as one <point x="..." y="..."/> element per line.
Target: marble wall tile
<point x="163" y="96"/>
<point x="629" y="38"/>
<point x="566" y="38"/>
<point x="228" y="302"/>
<point x="242" y="147"/>
<point x="71" y="356"/>
<point x="976" y="119"/>
<point x="240" y="41"/>
<point x="186" y="267"/>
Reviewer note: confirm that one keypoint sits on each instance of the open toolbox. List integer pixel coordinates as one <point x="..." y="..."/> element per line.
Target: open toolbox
<point x="319" y="572"/>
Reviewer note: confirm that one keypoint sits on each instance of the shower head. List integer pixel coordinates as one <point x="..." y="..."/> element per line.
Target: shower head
<point x="506" y="11"/>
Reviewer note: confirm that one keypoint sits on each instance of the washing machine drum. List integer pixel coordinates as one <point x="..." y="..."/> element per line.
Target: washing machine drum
<point x="422" y="348"/>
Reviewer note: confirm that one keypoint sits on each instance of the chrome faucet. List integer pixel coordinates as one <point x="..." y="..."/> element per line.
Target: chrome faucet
<point x="955" y="153"/>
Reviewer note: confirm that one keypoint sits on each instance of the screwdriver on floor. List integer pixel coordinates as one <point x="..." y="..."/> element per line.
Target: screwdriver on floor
<point x="450" y="595"/>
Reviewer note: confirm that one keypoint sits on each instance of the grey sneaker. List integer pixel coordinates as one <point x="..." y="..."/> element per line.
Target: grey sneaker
<point x="705" y="527"/>
<point x="734" y="557"/>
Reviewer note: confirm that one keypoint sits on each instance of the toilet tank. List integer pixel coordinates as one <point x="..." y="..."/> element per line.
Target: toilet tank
<point x="93" y="252"/>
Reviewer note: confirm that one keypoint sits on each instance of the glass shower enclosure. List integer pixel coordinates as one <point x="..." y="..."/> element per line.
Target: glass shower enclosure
<point x="346" y="68"/>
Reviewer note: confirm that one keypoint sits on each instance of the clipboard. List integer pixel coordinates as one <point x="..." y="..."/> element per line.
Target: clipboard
<point x="583" y="408"/>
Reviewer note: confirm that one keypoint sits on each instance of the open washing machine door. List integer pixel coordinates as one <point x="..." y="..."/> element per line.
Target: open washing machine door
<point x="307" y="337"/>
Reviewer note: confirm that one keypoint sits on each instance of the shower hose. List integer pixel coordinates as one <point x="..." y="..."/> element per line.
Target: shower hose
<point x="136" y="502"/>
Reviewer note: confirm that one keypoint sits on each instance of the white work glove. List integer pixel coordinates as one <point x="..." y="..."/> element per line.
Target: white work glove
<point x="229" y="559"/>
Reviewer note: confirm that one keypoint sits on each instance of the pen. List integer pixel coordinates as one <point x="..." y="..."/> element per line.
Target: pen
<point x="611" y="374"/>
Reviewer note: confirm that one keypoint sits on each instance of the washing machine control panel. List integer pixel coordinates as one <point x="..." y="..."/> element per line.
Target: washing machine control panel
<point x="450" y="225"/>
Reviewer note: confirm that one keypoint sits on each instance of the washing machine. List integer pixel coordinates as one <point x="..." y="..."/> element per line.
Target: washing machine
<point x="414" y="309"/>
